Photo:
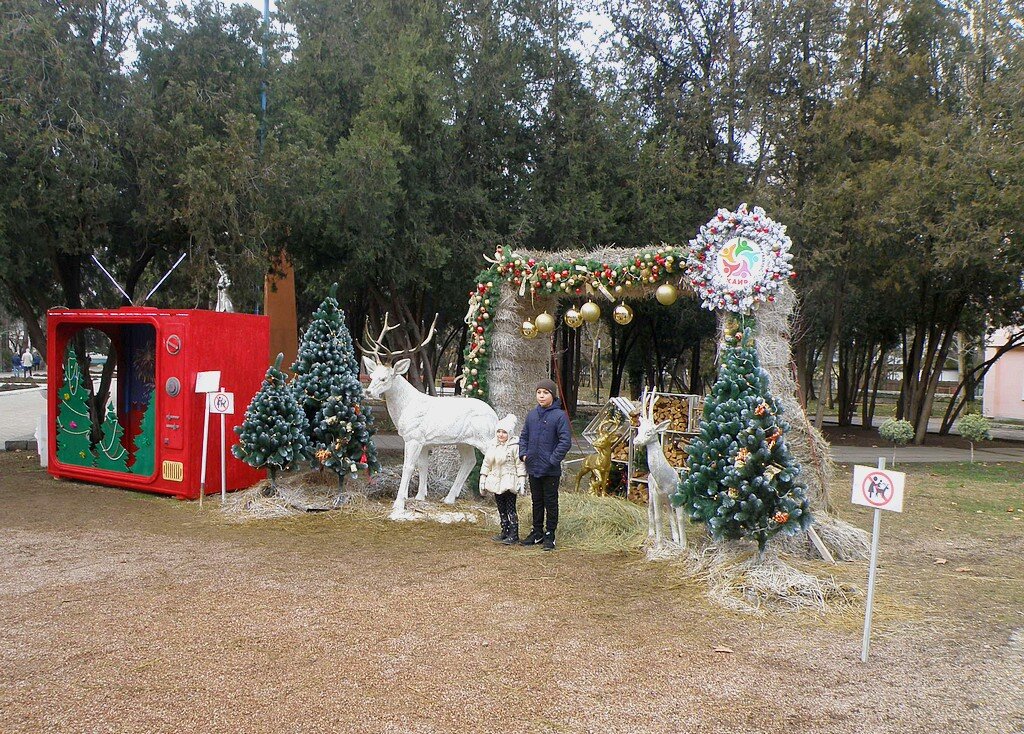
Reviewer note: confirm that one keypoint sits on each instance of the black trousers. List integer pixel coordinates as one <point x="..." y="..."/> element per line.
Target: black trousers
<point x="544" y="492"/>
<point x="506" y="502"/>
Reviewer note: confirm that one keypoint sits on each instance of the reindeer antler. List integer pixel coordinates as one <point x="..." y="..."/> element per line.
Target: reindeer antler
<point x="371" y="345"/>
<point x="647" y="401"/>
<point x="375" y="346"/>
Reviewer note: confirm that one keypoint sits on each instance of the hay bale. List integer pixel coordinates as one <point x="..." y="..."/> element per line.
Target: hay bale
<point x="738" y="578"/>
<point x="599" y="524"/>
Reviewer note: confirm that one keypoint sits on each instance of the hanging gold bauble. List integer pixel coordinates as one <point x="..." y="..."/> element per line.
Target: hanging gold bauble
<point x="573" y="318"/>
<point x="622" y="314"/>
<point x="545" y="323"/>
<point x="590" y="312"/>
<point x="666" y="294"/>
<point x="529" y="329"/>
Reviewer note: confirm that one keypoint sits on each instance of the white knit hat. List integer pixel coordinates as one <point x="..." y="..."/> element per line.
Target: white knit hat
<point x="507" y="424"/>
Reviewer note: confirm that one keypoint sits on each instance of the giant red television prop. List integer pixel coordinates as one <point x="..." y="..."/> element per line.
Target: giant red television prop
<point x="149" y="435"/>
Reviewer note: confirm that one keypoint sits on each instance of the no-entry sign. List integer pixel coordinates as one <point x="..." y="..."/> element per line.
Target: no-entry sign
<point x="878" y="488"/>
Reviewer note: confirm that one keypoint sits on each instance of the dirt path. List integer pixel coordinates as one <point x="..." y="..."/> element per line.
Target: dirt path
<point x="121" y="612"/>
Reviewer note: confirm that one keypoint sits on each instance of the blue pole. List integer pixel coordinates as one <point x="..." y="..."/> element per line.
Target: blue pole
<point x="263" y="63"/>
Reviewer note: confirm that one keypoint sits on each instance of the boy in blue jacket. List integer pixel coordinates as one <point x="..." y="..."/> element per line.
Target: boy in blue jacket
<point x="543" y="443"/>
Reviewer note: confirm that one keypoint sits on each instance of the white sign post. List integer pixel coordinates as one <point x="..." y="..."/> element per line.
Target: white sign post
<point x="882" y="490"/>
<point x="206" y="383"/>
<point x="223" y="403"/>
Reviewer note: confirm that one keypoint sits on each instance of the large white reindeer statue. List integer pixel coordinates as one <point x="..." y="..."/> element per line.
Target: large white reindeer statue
<point x="662" y="480"/>
<point x="424" y="421"/>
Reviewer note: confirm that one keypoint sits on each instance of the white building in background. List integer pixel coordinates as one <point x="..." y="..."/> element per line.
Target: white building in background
<point x="1004" y="383"/>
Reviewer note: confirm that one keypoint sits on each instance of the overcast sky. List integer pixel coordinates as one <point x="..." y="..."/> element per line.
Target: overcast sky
<point x="599" y="24"/>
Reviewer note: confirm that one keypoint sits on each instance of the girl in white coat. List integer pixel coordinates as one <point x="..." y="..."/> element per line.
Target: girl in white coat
<point x="504" y="475"/>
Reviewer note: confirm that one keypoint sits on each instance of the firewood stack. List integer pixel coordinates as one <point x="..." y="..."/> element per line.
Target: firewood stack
<point x="676" y="410"/>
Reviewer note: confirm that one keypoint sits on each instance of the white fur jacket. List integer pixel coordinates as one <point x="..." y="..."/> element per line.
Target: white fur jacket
<point x="503" y="471"/>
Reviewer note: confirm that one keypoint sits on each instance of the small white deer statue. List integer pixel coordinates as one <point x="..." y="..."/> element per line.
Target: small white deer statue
<point x="424" y="421"/>
<point x="662" y="480"/>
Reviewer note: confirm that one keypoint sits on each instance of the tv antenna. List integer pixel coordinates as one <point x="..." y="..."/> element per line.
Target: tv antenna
<point x="124" y="292"/>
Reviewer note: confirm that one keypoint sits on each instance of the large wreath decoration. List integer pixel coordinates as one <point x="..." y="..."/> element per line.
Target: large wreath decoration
<point x="738" y="259"/>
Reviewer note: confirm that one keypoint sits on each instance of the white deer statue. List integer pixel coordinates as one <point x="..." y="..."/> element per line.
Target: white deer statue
<point x="662" y="480"/>
<point x="424" y="421"/>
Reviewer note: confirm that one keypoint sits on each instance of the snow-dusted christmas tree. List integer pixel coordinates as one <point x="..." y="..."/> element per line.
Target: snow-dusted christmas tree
<point x="327" y="387"/>
<point x="741" y="478"/>
<point x="273" y="432"/>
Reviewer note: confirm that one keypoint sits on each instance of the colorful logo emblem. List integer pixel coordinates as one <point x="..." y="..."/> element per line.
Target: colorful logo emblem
<point x="740" y="263"/>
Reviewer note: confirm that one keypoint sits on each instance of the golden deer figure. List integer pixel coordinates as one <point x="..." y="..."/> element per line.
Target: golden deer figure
<point x="599" y="464"/>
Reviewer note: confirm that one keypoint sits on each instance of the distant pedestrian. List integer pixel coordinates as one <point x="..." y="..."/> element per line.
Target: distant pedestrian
<point x="26" y="362"/>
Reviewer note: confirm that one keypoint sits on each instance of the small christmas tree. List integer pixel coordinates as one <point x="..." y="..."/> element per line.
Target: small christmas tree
<point x="327" y="387"/>
<point x="110" y="454"/>
<point x="273" y="432"/>
<point x="144" y="442"/>
<point x="740" y="476"/>
<point x="73" y="424"/>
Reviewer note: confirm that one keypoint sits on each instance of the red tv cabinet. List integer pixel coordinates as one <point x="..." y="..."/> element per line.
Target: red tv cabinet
<point x="150" y="437"/>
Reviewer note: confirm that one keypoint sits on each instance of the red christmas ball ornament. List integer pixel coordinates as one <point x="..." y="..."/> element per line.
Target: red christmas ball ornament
<point x="479" y="330"/>
<point x="531" y="262"/>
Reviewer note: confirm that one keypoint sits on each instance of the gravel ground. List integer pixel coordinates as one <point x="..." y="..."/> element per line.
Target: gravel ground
<point x="122" y="612"/>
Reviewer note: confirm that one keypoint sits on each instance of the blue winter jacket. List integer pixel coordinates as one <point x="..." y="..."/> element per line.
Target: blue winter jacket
<point x="545" y="440"/>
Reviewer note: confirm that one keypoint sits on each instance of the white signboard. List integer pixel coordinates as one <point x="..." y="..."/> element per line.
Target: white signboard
<point x="881" y="489"/>
<point x="208" y="381"/>
<point x="222" y="403"/>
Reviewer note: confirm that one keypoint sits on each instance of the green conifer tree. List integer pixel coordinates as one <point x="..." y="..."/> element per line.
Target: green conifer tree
<point x="73" y="423"/>
<point x="327" y="387"/>
<point x="740" y="477"/>
<point x="145" y="457"/>
<point x="110" y="454"/>
<point x="273" y="431"/>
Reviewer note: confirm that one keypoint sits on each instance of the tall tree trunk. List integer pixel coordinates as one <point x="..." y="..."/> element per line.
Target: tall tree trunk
<point x="694" y="386"/>
<point x="932" y="383"/>
<point x="826" y="362"/>
<point x="29" y="313"/>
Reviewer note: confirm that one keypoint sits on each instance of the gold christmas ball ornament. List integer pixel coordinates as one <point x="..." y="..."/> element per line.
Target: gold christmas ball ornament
<point x="529" y="329"/>
<point x="667" y="294"/>
<point x="545" y="323"/>
<point x="573" y="318"/>
<point x="590" y="312"/>
<point x="622" y="314"/>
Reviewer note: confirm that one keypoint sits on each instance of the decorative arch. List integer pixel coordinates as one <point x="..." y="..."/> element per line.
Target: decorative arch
<point x="502" y="367"/>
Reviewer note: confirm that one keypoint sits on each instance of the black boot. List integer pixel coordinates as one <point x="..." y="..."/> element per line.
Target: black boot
<point x="535" y="537"/>
<point x="513" y="534"/>
<point x="549" y="540"/>
<point x="503" y="535"/>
